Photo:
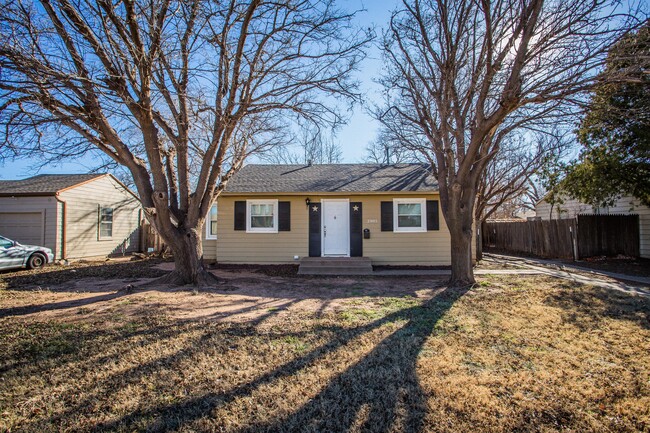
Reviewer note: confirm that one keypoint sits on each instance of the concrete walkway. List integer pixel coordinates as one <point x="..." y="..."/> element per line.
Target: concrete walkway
<point x="568" y="272"/>
<point x="575" y="267"/>
<point x="443" y="272"/>
<point x="531" y="266"/>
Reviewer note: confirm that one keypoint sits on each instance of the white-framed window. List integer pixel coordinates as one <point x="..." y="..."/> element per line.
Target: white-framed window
<point x="262" y="216"/>
<point x="211" y="223"/>
<point x="409" y="215"/>
<point x="105" y="222"/>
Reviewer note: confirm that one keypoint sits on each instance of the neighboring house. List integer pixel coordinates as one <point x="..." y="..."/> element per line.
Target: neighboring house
<point x="272" y="214"/>
<point x="76" y="215"/>
<point x="624" y="205"/>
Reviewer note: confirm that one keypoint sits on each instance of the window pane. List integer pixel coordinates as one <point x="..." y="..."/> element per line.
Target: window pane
<point x="212" y="221"/>
<point x="409" y="221"/>
<point x="106" y="230"/>
<point x="409" y="215"/>
<point x="409" y="209"/>
<point x="262" y="209"/>
<point x="261" y="222"/>
<point x="105" y="222"/>
<point x="106" y="214"/>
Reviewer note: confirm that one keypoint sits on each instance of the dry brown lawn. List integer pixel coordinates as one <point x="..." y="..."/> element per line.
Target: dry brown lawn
<point x="270" y="354"/>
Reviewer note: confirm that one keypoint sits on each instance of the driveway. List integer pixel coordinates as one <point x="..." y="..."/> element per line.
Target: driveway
<point x="606" y="280"/>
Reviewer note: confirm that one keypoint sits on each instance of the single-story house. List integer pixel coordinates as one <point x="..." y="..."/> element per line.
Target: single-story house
<point x="275" y="214"/>
<point x="570" y="208"/>
<point x="76" y="215"/>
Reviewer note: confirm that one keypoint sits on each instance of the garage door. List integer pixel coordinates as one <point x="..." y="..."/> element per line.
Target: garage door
<point x="24" y="227"/>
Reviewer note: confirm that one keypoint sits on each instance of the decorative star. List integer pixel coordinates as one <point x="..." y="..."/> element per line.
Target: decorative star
<point x="355" y="208"/>
<point x="315" y="208"/>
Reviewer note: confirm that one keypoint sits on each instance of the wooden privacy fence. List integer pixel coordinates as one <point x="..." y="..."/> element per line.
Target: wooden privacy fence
<point x="608" y="235"/>
<point x="150" y="241"/>
<point x="538" y="238"/>
<point x="583" y="236"/>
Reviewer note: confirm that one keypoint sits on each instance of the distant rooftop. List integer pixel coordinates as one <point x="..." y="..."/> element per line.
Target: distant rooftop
<point x="43" y="184"/>
<point x="266" y="178"/>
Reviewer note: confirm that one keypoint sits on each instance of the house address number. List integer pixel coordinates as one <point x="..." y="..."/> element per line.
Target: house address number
<point x="371" y="221"/>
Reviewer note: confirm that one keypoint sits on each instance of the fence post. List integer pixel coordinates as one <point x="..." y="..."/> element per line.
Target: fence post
<point x="574" y="244"/>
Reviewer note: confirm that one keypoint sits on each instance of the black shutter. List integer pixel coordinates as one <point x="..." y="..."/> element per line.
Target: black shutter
<point x="314" y="230"/>
<point x="240" y="215"/>
<point x="386" y="216"/>
<point x="433" y="219"/>
<point x="284" y="216"/>
<point x="356" y="230"/>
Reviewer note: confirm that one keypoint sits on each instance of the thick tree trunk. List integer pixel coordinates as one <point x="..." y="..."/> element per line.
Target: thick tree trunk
<point x="188" y="259"/>
<point x="461" y="252"/>
<point x="459" y="216"/>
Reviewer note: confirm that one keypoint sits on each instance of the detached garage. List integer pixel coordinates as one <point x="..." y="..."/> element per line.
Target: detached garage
<point x="76" y="215"/>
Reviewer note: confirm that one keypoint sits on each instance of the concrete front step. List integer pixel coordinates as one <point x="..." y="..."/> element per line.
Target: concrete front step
<point x="334" y="272"/>
<point x="335" y="266"/>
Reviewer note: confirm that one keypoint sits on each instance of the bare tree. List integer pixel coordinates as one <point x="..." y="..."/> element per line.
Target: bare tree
<point x="390" y="148"/>
<point x="533" y="194"/>
<point x="509" y="175"/>
<point x="507" y="178"/>
<point x="461" y="74"/>
<point x="314" y="146"/>
<point x="178" y="92"/>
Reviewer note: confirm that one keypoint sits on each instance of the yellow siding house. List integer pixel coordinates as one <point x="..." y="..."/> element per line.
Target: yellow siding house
<point x="278" y="214"/>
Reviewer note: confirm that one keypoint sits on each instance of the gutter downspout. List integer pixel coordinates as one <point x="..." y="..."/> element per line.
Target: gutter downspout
<point x="63" y="227"/>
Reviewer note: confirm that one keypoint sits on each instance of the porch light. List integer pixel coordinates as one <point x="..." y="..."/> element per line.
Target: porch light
<point x="307" y="201"/>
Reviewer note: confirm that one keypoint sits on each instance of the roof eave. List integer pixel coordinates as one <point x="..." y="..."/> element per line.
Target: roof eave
<point x="28" y="194"/>
<point x="232" y="194"/>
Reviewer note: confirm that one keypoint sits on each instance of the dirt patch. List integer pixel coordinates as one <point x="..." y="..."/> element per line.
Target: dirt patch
<point x="55" y="274"/>
<point x="243" y="294"/>
<point x="270" y="270"/>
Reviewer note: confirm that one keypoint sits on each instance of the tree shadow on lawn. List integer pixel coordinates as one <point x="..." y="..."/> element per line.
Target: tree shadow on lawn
<point x="64" y="342"/>
<point x="53" y="306"/>
<point x="378" y="391"/>
<point x="587" y="308"/>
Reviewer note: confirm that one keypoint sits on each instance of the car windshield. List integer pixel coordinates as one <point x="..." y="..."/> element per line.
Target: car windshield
<point x="5" y="242"/>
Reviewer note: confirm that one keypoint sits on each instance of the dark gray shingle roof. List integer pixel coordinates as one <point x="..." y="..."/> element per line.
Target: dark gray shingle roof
<point x="263" y="178"/>
<point x="43" y="184"/>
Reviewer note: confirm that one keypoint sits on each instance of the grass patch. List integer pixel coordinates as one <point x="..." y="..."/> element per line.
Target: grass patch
<point x="516" y="354"/>
<point x="368" y="308"/>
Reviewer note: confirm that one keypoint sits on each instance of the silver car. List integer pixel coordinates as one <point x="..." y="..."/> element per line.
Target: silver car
<point x="15" y="255"/>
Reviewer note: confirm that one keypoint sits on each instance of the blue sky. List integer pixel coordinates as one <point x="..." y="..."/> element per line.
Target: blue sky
<point x="362" y="128"/>
<point x="353" y="137"/>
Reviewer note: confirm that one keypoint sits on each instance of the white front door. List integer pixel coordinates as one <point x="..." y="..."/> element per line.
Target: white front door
<point x="336" y="227"/>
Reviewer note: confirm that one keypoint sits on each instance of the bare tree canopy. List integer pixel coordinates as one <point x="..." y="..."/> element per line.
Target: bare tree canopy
<point x="313" y="145"/>
<point x="178" y="92"/>
<point x="463" y="74"/>
<point x="392" y="147"/>
<point x="508" y="177"/>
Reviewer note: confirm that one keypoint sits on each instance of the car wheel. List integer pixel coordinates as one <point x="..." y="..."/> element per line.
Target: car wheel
<point x="36" y="261"/>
